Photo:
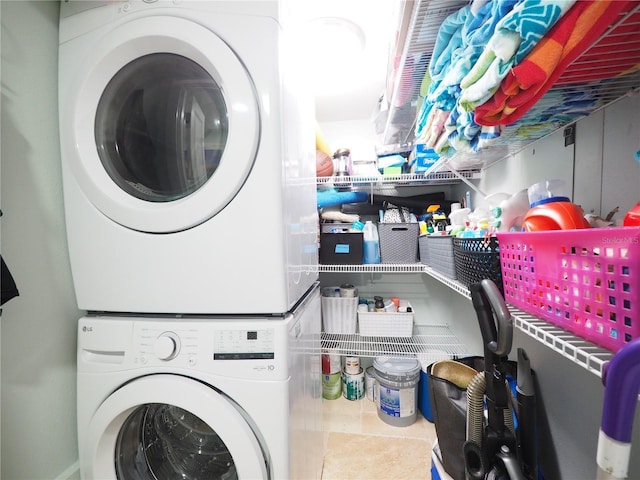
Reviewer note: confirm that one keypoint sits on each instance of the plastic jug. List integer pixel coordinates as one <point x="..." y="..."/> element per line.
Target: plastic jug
<point x="371" y="243"/>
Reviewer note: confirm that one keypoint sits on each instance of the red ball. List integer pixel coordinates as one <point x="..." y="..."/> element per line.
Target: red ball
<point x="324" y="164"/>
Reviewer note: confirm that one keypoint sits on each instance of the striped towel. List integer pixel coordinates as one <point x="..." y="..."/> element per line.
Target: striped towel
<point x="531" y="79"/>
<point x="515" y="36"/>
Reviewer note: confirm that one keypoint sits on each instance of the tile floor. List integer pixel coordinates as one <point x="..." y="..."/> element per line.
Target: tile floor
<point x="359" y="445"/>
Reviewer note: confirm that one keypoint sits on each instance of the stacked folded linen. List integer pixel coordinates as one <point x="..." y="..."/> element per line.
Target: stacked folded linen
<point x="515" y="36"/>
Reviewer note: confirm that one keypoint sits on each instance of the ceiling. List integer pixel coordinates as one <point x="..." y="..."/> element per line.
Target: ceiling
<point x="346" y="90"/>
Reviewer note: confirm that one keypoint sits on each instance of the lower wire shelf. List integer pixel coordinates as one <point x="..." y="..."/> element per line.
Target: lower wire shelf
<point x="578" y="350"/>
<point x="426" y="340"/>
<point x="440" y="338"/>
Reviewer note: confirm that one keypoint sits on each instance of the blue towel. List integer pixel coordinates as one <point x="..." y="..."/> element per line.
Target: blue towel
<point x="331" y="197"/>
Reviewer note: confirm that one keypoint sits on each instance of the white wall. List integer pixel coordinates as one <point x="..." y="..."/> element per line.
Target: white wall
<point x="603" y="173"/>
<point x="38" y="327"/>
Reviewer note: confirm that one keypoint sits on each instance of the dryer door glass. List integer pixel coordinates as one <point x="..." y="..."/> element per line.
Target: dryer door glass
<point x="161" y="127"/>
<point x="159" y="441"/>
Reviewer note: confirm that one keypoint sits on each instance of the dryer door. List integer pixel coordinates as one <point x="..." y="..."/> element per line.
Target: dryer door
<point x="169" y="426"/>
<point x="163" y="126"/>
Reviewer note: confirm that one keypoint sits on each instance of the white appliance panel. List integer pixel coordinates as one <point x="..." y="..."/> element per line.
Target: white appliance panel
<point x="246" y="239"/>
<point x="248" y="379"/>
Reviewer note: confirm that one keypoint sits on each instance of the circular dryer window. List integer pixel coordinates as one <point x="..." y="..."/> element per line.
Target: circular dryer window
<point x="161" y="127"/>
<point x="161" y="124"/>
<point x="165" y="441"/>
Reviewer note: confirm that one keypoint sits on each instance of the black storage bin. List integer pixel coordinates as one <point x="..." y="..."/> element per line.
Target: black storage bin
<point x="338" y="246"/>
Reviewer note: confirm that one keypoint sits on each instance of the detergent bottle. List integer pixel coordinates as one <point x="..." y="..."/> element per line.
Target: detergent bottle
<point x="371" y="243"/>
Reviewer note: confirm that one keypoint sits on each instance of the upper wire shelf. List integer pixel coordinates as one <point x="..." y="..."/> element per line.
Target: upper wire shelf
<point x="589" y="77"/>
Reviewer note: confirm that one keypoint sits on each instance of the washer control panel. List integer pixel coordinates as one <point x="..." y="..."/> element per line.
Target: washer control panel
<point x="245" y="348"/>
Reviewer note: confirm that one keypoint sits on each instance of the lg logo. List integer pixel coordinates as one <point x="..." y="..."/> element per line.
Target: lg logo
<point x="87" y="329"/>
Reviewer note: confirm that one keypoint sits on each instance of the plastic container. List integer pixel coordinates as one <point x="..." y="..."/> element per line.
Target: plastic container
<point x="370" y="383"/>
<point x="427" y="359"/>
<point x="386" y="324"/>
<point x="339" y="314"/>
<point x="548" y="191"/>
<point x="399" y="242"/>
<point x="397" y="389"/>
<point x="554" y="216"/>
<point x="371" y="243"/>
<point x="477" y="259"/>
<point x="584" y="281"/>
<point x="441" y="258"/>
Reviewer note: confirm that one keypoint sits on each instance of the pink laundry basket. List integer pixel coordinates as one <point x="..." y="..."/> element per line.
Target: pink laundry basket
<point x="585" y="281"/>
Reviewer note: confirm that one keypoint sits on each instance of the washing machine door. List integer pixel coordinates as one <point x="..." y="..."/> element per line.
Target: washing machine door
<point x="163" y="124"/>
<point x="169" y="426"/>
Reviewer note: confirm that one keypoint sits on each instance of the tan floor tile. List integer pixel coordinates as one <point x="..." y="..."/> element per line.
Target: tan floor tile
<point x="372" y="424"/>
<point x="354" y="457"/>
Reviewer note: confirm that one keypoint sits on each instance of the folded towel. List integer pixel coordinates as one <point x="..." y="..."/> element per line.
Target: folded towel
<point x="529" y="80"/>
<point x="449" y="39"/>
<point x="515" y="36"/>
<point x="476" y="32"/>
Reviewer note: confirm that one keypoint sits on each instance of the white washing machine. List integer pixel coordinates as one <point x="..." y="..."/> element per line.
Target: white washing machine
<point x="188" y="157"/>
<point x="214" y="398"/>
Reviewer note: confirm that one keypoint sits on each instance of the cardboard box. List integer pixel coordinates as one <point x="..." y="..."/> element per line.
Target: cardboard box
<point x="422" y="158"/>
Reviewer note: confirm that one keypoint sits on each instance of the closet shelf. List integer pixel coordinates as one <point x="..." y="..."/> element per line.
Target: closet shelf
<point x="439" y="337"/>
<point x="402" y="180"/>
<point x="592" y="79"/>
<point x="578" y="350"/>
<point x="426" y="340"/>
<point x="375" y="268"/>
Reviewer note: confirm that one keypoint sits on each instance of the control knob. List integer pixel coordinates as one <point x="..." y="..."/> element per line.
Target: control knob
<point x="166" y="346"/>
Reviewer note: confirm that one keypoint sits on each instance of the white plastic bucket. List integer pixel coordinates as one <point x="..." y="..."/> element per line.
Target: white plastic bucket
<point x="397" y="389"/>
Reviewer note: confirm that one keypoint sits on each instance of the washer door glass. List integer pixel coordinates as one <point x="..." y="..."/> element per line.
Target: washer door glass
<point x="166" y="426"/>
<point x="161" y="127"/>
<point x="165" y="441"/>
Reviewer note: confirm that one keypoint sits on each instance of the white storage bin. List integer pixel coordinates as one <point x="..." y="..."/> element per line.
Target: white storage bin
<point x="339" y="314"/>
<point x="386" y="324"/>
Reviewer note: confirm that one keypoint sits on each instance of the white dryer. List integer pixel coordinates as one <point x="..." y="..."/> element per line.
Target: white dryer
<point x="214" y="398"/>
<point x="188" y="157"/>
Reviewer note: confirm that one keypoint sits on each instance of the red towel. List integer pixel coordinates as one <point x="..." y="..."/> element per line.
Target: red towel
<point x="536" y="74"/>
<point x="617" y="53"/>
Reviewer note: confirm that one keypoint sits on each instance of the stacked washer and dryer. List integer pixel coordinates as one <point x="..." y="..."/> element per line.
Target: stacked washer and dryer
<point x="188" y="162"/>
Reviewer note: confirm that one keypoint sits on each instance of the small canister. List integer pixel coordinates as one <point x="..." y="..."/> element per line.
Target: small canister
<point x="353" y="385"/>
<point x="370" y="383"/>
<point x="342" y="164"/>
<point x="331" y="360"/>
<point x="347" y="290"/>
<point x="352" y="365"/>
<point x="331" y="385"/>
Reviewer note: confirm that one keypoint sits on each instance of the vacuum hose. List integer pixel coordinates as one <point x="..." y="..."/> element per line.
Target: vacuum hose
<point x="475" y="408"/>
<point x="475" y="462"/>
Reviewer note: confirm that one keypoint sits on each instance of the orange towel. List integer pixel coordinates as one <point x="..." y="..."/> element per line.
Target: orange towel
<point x="532" y="78"/>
